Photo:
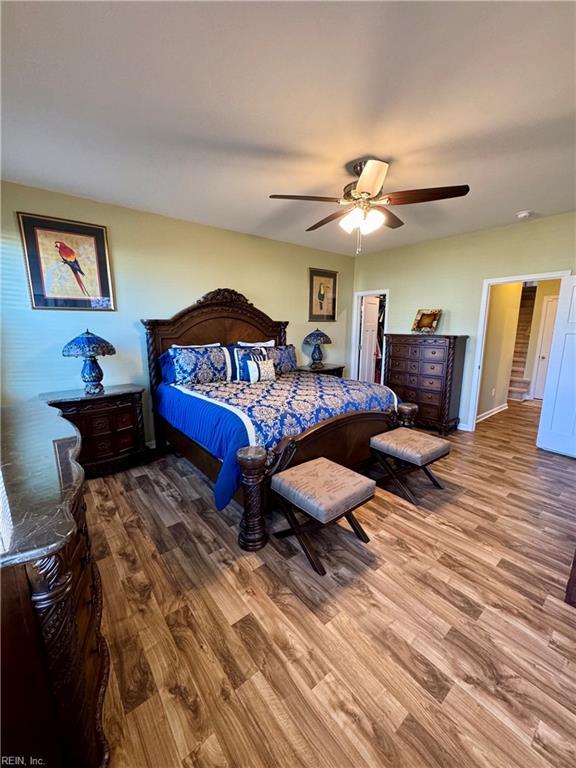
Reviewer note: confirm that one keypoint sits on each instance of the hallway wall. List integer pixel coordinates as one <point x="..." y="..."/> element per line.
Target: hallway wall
<point x="499" y="347"/>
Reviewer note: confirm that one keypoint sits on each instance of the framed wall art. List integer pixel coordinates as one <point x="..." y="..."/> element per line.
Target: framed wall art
<point x="322" y="295"/>
<point x="67" y="263"/>
<point x="426" y="320"/>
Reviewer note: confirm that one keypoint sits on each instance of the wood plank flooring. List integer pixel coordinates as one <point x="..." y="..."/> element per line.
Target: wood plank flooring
<point x="443" y="642"/>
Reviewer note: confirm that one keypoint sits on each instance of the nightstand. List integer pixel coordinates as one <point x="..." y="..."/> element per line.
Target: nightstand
<point x="111" y="425"/>
<point x="329" y="369"/>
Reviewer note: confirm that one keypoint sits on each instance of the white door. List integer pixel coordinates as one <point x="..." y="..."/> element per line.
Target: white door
<point x="557" y="431"/>
<point x="549" y="308"/>
<point x="368" y="338"/>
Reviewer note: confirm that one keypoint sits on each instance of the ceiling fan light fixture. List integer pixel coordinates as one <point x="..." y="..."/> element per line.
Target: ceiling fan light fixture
<point x="352" y="220"/>
<point x="372" y="221"/>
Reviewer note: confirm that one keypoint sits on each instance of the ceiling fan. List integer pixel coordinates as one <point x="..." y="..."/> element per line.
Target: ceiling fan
<point x="365" y="206"/>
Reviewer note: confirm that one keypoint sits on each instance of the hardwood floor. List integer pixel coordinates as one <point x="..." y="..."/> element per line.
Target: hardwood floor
<point x="443" y="642"/>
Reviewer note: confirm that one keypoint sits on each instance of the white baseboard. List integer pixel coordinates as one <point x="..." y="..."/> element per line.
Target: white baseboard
<point x="465" y="428"/>
<point x="491" y="412"/>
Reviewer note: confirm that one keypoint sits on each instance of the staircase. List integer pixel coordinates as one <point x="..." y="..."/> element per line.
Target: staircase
<point x="519" y="386"/>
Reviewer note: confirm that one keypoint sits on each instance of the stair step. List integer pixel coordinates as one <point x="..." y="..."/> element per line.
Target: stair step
<point x="517" y="396"/>
<point x="517" y="382"/>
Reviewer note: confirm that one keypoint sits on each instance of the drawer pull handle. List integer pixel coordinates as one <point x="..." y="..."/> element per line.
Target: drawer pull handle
<point x="429" y="397"/>
<point x="430" y="381"/>
<point x="432" y="367"/>
<point x="433" y="351"/>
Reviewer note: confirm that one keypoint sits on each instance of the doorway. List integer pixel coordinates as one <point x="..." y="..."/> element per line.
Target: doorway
<point x="368" y="335"/>
<point x="517" y="342"/>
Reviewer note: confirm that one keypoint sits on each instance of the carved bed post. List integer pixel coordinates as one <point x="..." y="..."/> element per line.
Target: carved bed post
<point x="253" y="534"/>
<point x="159" y="438"/>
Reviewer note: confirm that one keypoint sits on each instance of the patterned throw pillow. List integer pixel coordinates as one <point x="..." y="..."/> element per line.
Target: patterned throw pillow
<point x="270" y="343"/>
<point x="260" y="370"/>
<point x="241" y="356"/>
<point x="200" y="366"/>
<point x="284" y="358"/>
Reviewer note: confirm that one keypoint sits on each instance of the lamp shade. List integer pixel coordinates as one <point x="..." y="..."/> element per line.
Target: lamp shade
<point x="317" y="337"/>
<point x="88" y="345"/>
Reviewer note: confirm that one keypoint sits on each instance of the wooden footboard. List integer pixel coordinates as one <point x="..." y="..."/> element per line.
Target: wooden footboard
<point x="343" y="439"/>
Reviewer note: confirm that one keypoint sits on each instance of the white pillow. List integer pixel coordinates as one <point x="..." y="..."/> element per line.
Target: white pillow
<point x="270" y="343"/>
<point x="196" y="346"/>
<point x="261" y="370"/>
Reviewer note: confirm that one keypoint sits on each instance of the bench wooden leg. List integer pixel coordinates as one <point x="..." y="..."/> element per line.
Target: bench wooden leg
<point x="298" y="530"/>
<point x="428" y="472"/>
<point x="404" y="490"/>
<point x="357" y="528"/>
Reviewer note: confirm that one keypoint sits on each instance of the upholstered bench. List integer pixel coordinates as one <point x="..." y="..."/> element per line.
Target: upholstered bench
<point x="401" y="450"/>
<point x="324" y="492"/>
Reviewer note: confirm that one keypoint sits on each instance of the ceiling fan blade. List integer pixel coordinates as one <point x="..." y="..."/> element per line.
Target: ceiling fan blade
<point x="306" y="197"/>
<point x="425" y="195"/>
<point x="391" y="219"/>
<point x="372" y="177"/>
<point x="328" y="219"/>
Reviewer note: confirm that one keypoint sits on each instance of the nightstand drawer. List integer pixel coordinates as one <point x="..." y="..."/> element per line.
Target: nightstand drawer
<point x="125" y="441"/>
<point x="125" y="418"/>
<point x="96" y="448"/>
<point x="99" y="424"/>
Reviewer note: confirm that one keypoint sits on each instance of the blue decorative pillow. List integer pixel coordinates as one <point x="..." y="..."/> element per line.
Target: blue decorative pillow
<point x="284" y="358"/>
<point x="167" y="368"/>
<point x="200" y="366"/>
<point x="241" y="354"/>
<point x="244" y="356"/>
<point x="260" y="370"/>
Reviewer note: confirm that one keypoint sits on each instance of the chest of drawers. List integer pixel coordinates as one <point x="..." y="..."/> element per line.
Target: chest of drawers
<point x="427" y="370"/>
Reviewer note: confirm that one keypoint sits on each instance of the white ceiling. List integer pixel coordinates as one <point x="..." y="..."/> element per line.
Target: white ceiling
<point x="201" y="110"/>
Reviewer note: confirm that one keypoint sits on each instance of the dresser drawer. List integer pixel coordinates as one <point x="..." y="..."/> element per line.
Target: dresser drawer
<point x="407" y="394"/>
<point x="428" y="413"/>
<point x="399" y="350"/>
<point x="397" y="378"/>
<point x="413" y="366"/>
<point x="399" y="364"/>
<point x="433" y="369"/>
<point x="429" y="398"/>
<point x="431" y="382"/>
<point x="433" y="353"/>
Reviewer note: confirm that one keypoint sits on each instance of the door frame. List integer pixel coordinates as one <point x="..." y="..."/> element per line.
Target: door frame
<point x="546" y="300"/>
<point x="481" y="332"/>
<point x="356" y="306"/>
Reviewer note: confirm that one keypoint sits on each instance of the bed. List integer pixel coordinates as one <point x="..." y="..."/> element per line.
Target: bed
<point x="239" y="434"/>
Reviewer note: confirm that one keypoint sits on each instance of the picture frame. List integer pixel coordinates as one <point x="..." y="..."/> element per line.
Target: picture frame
<point x="67" y="263"/>
<point x="322" y="296"/>
<point x="426" y="320"/>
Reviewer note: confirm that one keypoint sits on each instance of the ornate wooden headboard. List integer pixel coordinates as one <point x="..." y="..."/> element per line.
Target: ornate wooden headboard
<point x="222" y="315"/>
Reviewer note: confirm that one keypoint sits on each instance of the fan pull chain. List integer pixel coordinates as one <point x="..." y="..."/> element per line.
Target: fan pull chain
<point x="358" y="241"/>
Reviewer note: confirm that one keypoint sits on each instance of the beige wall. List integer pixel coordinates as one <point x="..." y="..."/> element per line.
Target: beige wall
<point x="501" y="326"/>
<point x="449" y="273"/>
<point x="159" y="266"/>
<point x="544" y="288"/>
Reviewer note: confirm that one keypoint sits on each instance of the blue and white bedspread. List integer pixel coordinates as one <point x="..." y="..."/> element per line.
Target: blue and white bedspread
<point x="225" y="416"/>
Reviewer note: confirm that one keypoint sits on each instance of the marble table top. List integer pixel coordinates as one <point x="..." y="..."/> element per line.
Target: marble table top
<point x="39" y="481"/>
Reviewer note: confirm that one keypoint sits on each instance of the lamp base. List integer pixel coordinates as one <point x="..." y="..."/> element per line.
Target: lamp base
<point x="92" y="376"/>
<point x="316" y="358"/>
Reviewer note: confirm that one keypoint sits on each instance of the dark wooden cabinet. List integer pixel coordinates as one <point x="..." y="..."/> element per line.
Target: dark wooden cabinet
<point x="329" y="369"/>
<point x="111" y="425"/>
<point x="427" y="370"/>
<point x="54" y="659"/>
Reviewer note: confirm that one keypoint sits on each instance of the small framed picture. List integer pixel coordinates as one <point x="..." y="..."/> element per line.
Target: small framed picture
<point x="426" y="320"/>
<point x="67" y="263"/>
<point x="322" y="296"/>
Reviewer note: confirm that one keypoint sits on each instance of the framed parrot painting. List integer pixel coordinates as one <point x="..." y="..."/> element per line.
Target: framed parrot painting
<point x="322" y="295"/>
<point x="67" y="263"/>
